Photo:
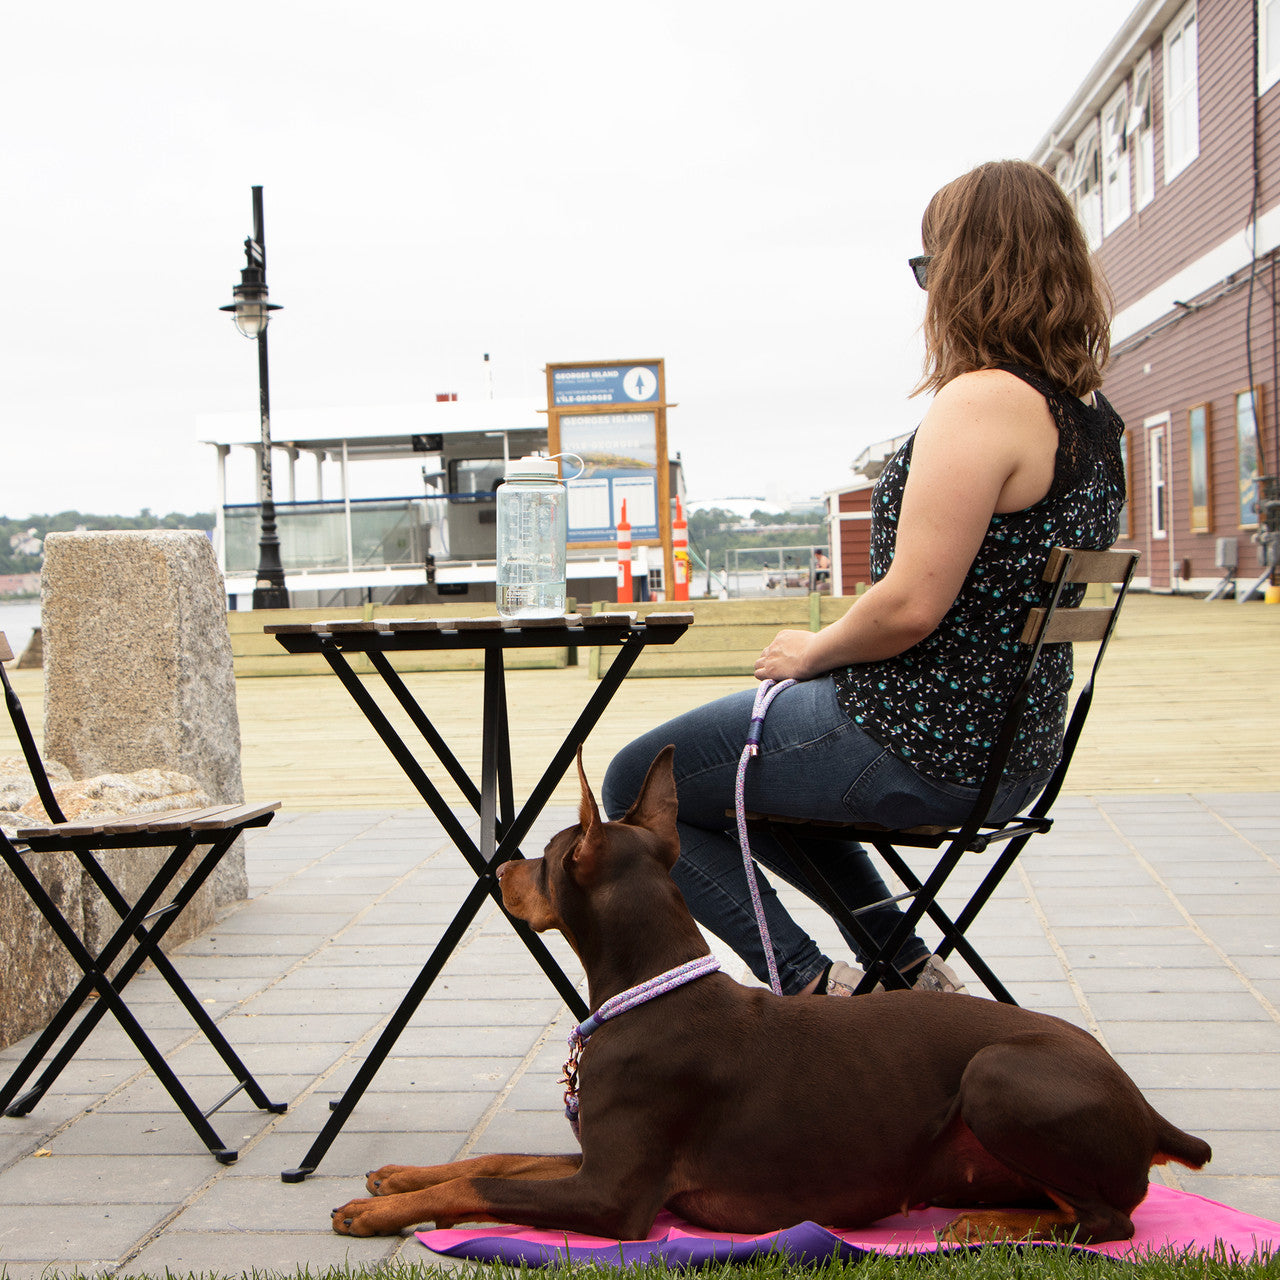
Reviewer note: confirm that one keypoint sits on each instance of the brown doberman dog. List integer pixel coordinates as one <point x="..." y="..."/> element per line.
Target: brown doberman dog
<point x="743" y="1111"/>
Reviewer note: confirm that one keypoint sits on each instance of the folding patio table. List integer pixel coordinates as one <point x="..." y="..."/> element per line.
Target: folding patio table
<point x="502" y="826"/>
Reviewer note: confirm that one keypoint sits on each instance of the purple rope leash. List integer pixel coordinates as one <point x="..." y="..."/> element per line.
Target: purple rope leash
<point x="624" y="1000"/>
<point x="764" y="696"/>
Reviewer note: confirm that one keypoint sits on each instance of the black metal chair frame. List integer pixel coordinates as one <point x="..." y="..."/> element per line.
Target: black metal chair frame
<point x="1055" y="622"/>
<point x="183" y="832"/>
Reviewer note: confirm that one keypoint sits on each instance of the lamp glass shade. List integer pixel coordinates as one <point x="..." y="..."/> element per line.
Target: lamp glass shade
<point x="251" y="316"/>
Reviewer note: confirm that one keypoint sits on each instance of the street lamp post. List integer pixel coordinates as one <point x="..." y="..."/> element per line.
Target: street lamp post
<point x="252" y="312"/>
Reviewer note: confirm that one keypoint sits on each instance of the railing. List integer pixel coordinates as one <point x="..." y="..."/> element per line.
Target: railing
<point x="329" y="536"/>
<point x="787" y="571"/>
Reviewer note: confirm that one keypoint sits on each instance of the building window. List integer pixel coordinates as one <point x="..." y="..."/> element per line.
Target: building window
<point x="1181" y="95"/>
<point x="1126" y="511"/>
<point x="1268" y="44"/>
<point x="1199" y="452"/>
<point x="1247" y="456"/>
<point x="1084" y="186"/>
<point x="1141" y="135"/>
<point x="1158" y="474"/>
<point x="1116" y="205"/>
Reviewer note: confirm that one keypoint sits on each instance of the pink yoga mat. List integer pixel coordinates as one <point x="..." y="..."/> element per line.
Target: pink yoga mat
<point x="1166" y="1220"/>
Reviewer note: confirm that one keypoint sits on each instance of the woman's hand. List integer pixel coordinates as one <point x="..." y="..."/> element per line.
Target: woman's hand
<point x="788" y="656"/>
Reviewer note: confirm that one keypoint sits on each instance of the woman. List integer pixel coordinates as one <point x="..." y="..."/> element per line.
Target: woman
<point x="1017" y="453"/>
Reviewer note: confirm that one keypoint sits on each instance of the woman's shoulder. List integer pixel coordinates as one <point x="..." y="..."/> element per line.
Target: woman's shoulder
<point x="990" y="399"/>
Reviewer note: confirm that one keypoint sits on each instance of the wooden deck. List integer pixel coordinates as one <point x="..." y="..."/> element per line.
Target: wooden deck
<point x="1188" y="700"/>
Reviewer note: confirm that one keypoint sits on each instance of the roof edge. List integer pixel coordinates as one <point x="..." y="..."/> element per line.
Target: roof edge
<point x="1147" y="19"/>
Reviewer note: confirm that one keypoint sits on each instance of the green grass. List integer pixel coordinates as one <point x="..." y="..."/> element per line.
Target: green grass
<point x="990" y="1263"/>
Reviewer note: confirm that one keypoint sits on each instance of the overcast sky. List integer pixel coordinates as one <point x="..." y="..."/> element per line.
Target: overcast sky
<point x="733" y="186"/>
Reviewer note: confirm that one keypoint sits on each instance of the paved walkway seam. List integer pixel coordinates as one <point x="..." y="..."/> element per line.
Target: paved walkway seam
<point x="1243" y="978"/>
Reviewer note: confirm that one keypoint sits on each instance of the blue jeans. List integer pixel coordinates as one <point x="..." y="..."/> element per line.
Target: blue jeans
<point x="814" y="762"/>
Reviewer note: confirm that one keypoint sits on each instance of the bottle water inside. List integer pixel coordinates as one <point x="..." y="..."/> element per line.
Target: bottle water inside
<point x="531" y="561"/>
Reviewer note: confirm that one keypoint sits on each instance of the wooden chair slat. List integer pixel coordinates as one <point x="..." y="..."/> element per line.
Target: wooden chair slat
<point x="213" y="816"/>
<point x="1088" y="566"/>
<point x="1067" y="625"/>
<point x="208" y="818"/>
<point x="231" y="816"/>
<point x="129" y="823"/>
<point x="125" y="824"/>
<point x="71" y="829"/>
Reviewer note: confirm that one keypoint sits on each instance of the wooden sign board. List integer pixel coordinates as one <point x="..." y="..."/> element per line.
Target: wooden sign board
<point x="612" y="414"/>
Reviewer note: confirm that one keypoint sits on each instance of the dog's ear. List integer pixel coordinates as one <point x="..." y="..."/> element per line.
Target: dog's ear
<point x="586" y="854"/>
<point x="655" y="806"/>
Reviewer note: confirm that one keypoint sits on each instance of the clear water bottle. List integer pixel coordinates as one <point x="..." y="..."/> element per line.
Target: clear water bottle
<point x="531" y="539"/>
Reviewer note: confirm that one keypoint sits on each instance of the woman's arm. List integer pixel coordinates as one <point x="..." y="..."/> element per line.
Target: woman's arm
<point x="987" y="444"/>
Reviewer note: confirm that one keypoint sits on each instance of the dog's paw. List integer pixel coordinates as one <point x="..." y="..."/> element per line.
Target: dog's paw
<point x="1009" y="1225"/>
<point x="397" y="1179"/>
<point x="365" y="1218"/>
<point x="378" y="1182"/>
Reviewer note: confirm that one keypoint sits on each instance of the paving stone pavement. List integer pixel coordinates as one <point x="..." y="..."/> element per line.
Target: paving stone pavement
<point x="1151" y="920"/>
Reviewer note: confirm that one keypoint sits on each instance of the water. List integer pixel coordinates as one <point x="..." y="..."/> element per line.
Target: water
<point x="531" y="550"/>
<point x="18" y="618"/>
<point x="527" y="599"/>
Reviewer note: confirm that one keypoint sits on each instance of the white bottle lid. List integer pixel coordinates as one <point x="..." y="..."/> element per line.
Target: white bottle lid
<point x="534" y="466"/>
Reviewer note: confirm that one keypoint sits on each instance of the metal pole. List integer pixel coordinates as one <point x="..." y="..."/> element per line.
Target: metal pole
<point x="269" y="591"/>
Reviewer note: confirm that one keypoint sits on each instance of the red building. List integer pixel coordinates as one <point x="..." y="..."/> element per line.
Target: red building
<point x="848" y="518"/>
<point x="1171" y="152"/>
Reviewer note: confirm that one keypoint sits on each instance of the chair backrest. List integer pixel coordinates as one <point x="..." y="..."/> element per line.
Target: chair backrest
<point x="1064" y="618"/>
<point x="35" y="766"/>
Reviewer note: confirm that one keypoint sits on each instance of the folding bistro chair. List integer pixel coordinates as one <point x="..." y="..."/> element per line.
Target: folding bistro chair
<point x="183" y="832"/>
<point x="1064" y="618"/>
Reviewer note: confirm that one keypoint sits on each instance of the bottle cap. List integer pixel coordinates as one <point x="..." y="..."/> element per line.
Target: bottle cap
<point x="534" y="466"/>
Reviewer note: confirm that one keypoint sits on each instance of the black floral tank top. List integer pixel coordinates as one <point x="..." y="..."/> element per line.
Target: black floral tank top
<point x="939" y="704"/>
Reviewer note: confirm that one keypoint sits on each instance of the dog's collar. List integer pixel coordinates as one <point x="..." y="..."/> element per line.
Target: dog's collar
<point x="629" y="999"/>
<point x="642" y="993"/>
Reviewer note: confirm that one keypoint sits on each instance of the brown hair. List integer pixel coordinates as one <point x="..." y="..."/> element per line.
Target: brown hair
<point x="1011" y="281"/>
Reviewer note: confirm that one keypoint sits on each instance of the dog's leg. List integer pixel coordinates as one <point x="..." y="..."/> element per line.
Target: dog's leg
<point x="1059" y="1112"/>
<point x="986" y="1226"/>
<point x="393" y="1179"/>
<point x="612" y="1204"/>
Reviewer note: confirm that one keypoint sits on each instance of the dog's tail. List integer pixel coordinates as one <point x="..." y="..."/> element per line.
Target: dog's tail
<point x="1172" y="1144"/>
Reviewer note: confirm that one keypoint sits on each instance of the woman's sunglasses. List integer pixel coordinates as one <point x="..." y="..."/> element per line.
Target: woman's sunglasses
<point x="920" y="269"/>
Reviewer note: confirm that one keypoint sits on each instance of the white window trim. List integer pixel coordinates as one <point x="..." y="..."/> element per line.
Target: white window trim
<point x="1113" y="140"/>
<point x="1083" y="160"/>
<point x="1084" y="185"/>
<point x="1140" y="132"/>
<point x="1140" y="108"/>
<point x="1157" y="436"/>
<point x="1174" y="165"/>
<point x="1268" y="12"/>
<point x="1115" y="162"/>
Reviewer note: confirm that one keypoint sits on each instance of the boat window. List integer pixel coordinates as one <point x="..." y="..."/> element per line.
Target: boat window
<point x="474" y="479"/>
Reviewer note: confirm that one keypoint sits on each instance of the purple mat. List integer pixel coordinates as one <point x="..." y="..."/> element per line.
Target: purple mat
<point x="1173" y="1220"/>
